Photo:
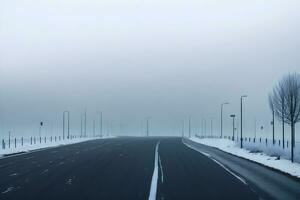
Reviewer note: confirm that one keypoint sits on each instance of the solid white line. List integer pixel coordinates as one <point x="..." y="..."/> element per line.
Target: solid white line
<point x="161" y="170"/>
<point x="209" y="156"/>
<point x="229" y="171"/>
<point x="153" y="189"/>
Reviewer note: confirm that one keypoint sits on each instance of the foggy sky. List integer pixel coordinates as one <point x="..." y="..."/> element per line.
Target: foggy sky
<point x="136" y="59"/>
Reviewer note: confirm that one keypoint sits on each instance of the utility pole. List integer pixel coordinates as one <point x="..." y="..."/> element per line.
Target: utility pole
<point x="9" y="139"/>
<point x="147" y="128"/>
<point x="202" y="128"/>
<point x="66" y="114"/>
<point x="40" y="129"/>
<point x="205" y="127"/>
<point x="244" y="96"/>
<point x="99" y="113"/>
<point x="94" y="128"/>
<point x="211" y="128"/>
<point x="182" y="128"/>
<point x="255" y="127"/>
<point x="81" y="125"/>
<point x="233" y="116"/>
<point x="189" y="126"/>
<point x="273" y="126"/>
<point x="226" y="103"/>
<point x="85" y="124"/>
<point x="101" y="124"/>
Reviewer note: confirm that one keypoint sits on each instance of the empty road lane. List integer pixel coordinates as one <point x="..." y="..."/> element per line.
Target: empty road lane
<point x="123" y="168"/>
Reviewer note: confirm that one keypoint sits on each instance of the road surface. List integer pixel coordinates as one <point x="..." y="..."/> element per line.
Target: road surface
<point x="134" y="168"/>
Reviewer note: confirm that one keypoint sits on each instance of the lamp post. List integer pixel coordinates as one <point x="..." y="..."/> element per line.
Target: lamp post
<point x="147" y="126"/>
<point x="40" y="130"/>
<point x="189" y="126"/>
<point x="244" y="96"/>
<point x="204" y="128"/>
<point x="211" y="128"/>
<point x="81" y="125"/>
<point x="85" y="123"/>
<point x="226" y="103"/>
<point x="100" y="122"/>
<point x="94" y="128"/>
<point x="182" y="128"/>
<point x="233" y="116"/>
<point x="66" y="114"/>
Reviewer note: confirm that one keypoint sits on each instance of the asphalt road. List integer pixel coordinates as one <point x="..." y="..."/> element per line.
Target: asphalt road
<point x="121" y="169"/>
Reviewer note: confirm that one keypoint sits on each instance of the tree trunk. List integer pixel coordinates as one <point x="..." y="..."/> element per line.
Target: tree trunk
<point x="283" y="133"/>
<point x="273" y="138"/>
<point x="282" y="118"/>
<point x="292" y="141"/>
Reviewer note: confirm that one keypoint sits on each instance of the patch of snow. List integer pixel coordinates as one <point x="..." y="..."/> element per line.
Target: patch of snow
<point x="232" y="147"/>
<point x="27" y="147"/>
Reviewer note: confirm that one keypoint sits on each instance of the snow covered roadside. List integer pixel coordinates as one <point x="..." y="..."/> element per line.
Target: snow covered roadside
<point x="233" y="148"/>
<point x="27" y="147"/>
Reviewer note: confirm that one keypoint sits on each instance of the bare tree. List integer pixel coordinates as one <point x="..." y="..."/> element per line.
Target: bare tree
<point x="280" y="105"/>
<point x="272" y="107"/>
<point x="286" y="103"/>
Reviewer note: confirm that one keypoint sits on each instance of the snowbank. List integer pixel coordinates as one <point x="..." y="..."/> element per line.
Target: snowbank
<point x="231" y="147"/>
<point x="27" y="146"/>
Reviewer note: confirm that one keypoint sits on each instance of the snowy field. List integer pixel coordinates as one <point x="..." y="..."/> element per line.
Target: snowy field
<point x="27" y="146"/>
<point x="232" y="147"/>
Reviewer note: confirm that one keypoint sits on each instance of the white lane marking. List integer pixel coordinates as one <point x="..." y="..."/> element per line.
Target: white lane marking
<point x="161" y="170"/>
<point x="28" y="158"/>
<point x="229" y="171"/>
<point x="153" y="189"/>
<point x="8" y="190"/>
<point x="69" y="182"/>
<point x="209" y="156"/>
<point x="45" y="171"/>
<point x="14" y="174"/>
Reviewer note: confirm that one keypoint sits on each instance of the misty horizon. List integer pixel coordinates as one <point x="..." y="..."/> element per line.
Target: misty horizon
<point x="132" y="60"/>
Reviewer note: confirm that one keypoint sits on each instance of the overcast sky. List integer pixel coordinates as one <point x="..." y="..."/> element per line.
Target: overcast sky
<point x="137" y="58"/>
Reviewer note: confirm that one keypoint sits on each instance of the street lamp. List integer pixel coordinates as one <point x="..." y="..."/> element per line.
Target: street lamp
<point x="66" y="114"/>
<point x="190" y="126"/>
<point x="233" y="116"/>
<point x="182" y="128"/>
<point x="211" y="128"/>
<point x="100" y="122"/>
<point x="226" y="103"/>
<point x="147" y="126"/>
<point x="205" y="128"/>
<point x="244" y="96"/>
